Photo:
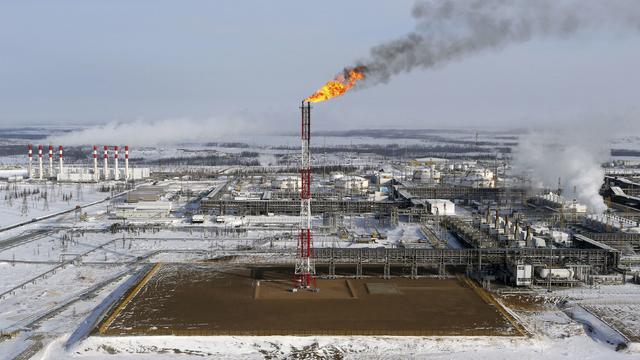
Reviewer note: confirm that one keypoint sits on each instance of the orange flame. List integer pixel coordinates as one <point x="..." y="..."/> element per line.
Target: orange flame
<point x="339" y="85"/>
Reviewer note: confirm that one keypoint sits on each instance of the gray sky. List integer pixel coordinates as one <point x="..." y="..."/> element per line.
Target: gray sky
<point x="93" y="62"/>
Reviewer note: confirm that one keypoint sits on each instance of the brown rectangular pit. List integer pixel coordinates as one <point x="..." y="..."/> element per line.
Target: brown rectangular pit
<point x="182" y="299"/>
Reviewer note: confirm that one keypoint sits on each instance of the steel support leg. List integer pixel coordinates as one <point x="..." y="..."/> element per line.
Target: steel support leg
<point x="442" y="270"/>
<point x="387" y="271"/>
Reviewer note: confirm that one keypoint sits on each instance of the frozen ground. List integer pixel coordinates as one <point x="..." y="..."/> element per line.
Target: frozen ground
<point x="46" y="293"/>
<point x="23" y="202"/>
<point x="49" y="308"/>
<point x="617" y="305"/>
<point x="13" y="274"/>
<point x="167" y="347"/>
<point x="566" y="331"/>
<point x="557" y="334"/>
<point x="625" y="317"/>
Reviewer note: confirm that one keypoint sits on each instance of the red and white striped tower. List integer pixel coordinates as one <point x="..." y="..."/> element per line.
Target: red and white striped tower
<point x="305" y="270"/>
<point x="61" y="162"/>
<point x="30" y="166"/>
<point x="96" y="175"/>
<point x="50" y="161"/>
<point x="40" y="168"/>
<point x="116" y="175"/>
<point x="106" y="162"/>
<point x="126" y="162"/>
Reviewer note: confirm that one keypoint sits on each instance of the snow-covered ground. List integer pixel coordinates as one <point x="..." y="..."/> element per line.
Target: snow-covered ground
<point x="583" y="322"/>
<point x="280" y="347"/>
<point x="44" y="294"/>
<point x="559" y="332"/>
<point x="14" y="274"/>
<point x="63" y="323"/>
<point x="618" y="306"/>
<point x="22" y="202"/>
<point x="564" y="331"/>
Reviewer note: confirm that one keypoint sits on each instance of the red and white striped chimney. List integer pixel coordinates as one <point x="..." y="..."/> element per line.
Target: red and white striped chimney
<point x="30" y="166"/>
<point x="40" y="168"/>
<point x="126" y="162"/>
<point x="50" y="161"/>
<point x="61" y="162"/>
<point x="106" y="162"/>
<point x="95" y="163"/>
<point x="116" y="175"/>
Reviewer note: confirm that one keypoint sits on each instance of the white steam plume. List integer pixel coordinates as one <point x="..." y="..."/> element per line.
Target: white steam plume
<point x="450" y="30"/>
<point x="160" y="132"/>
<point x="573" y="156"/>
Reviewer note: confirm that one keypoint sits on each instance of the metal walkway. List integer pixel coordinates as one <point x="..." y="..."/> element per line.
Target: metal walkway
<point x="600" y="260"/>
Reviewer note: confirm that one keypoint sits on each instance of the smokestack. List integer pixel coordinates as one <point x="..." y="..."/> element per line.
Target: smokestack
<point x="96" y="175"/>
<point x="126" y="162"/>
<point x="50" y="161"/>
<point x="30" y="166"/>
<point x="61" y="161"/>
<point x="116" y="175"/>
<point x="106" y="162"/>
<point x="40" y="168"/>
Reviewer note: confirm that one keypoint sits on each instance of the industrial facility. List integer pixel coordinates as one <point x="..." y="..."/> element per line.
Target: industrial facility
<point x="73" y="174"/>
<point x="350" y="230"/>
<point x="464" y="183"/>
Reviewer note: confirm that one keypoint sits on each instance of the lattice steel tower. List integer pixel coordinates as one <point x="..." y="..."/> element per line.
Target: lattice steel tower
<point x="305" y="270"/>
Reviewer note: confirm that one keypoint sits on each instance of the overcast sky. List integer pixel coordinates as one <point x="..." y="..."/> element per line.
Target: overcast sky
<point x="93" y="62"/>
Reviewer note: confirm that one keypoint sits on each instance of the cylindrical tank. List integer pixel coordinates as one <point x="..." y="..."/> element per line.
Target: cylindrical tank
<point x="539" y="242"/>
<point x="556" y="273"/>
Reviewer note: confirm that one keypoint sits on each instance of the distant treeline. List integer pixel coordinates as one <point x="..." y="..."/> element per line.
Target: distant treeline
<point x="70" y="153"/>
<point x="30" y="133"/>
<point x="4" y="135"/>
<point x="477" y="143"/>
<point x="395" y="150"/>
<point x="9" y="150"/>
<point x="228" y="145"/>
<point x="208" y="160"/>
<point x="427" y="134"/>
<point x="215" y="152"/>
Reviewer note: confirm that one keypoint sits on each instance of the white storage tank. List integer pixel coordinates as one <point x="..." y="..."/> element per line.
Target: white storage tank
<point x="286" y="183"/>
<point x="352" y="183"/>
<point x="197" y="218"/>
<point x="555" y="273"/>
<point x="561" y="237"/>
<point x="428" y="175"/>
<point x="383" y="176"/>
<point x="539" y="242"/>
